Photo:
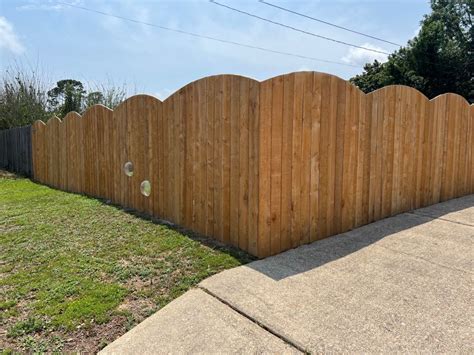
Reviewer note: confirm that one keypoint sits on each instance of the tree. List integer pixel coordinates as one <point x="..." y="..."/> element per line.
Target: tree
<point x="109" y="95"/>
<point x="67" y="96"/>
<point x="94" y="98"/>
<point x="22" y="97"/>
<point x="439" y="59"/>
<point x="113" y="94"/>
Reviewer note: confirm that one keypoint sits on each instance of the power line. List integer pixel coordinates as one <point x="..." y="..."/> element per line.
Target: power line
<point x="296" y="29"/>
<point x="328" y="23"/>
<point x="210" y="37"/>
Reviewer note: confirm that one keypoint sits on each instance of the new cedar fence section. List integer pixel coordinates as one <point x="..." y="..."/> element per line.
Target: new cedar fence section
<point x="15" y="150"/>
<point x="266" y="166"/>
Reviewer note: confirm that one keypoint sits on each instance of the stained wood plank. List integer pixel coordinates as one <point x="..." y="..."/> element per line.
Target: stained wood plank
<point x="407" y="152"/>
<point x="463" y="153"/>
<point x="315" y="157"/>
<point x="296" y="160"/>
<point x="264" y="216"/>
<point x="287" y="144"/>
<point x="217" y="153"/>
<point x="234" y="179"/>
<point x="189" y="154"/>
<point x="469" y="150"/>
<point x="68" y="127"/>
<point x="210" y="158"/>
<point x="391" y="146"/>
<point x="342" y="151"/>
<point x="427" y="144"/>
<point x="354" y="144"/>
<point x="456" y="183"/>
<point x="332" y="149"/>
<point x="438" y="168"/>
<point x="379" y="160"/>
<point x="361" y="183"/>
<point x="420" y="129"/>
<point x="412" y="154"/>
<point x="306" y="158"/>
<point x="443" y="112"/>
<point x="275" y="168"/>
<point x="243" y="210"/>
<point x="156" y="127"/>
<point x="348" y="177"/>
<point x="176" y="148"/>
<point x="226" y="151"/>
<point x="254" y="159"/>
<point x="324" y="160"/>
<point x="197" y="173"/>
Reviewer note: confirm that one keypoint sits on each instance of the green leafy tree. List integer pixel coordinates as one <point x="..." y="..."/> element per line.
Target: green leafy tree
<point x="67" y="96"/>
<point x="439" y="59"/>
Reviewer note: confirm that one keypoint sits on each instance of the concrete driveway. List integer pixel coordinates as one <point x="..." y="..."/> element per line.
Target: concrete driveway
<point x="403" y="284"/>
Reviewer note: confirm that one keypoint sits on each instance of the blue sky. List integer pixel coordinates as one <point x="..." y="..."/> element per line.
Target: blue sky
<point x="72" y="43"/>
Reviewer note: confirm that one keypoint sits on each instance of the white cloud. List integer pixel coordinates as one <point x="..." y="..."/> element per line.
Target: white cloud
<point x="359" y="56"/>
<point x="8" y="37"/>
<point x="50" y="5"/>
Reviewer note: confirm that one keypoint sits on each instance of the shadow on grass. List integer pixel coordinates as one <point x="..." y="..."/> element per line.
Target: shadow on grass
<point x="214" y="244"/>
<point x="239" y="254"/>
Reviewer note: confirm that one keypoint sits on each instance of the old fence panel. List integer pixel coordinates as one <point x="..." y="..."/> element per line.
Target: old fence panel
<point x="15" y="150"/>
<point x="265" y="166"/>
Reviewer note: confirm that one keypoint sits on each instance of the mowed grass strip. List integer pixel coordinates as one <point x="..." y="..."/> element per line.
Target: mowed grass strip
<point x="76" y="273"/>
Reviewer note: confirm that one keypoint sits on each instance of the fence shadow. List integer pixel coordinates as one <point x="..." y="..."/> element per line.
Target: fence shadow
<point x="311" y="256"/>
<point x="242" y="256"/>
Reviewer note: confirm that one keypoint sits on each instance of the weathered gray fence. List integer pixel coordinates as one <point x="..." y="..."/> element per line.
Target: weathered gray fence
<point x="15" y="150"/>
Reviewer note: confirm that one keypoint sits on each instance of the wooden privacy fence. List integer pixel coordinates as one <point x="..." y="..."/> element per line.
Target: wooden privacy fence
<point x="15" y="150"/>
<point x="266" y="166"/>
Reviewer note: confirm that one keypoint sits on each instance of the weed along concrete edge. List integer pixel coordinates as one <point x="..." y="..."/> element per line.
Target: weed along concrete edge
<point x="206" y="325"/>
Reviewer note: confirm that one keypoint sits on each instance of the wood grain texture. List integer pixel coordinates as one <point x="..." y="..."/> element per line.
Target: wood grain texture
<point x="264" y="166"/>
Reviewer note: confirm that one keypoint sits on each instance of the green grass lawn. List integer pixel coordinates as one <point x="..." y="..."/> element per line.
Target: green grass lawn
<point x="77" y="273"/>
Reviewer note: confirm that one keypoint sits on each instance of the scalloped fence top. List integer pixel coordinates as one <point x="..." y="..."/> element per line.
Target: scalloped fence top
<point x="265" y="166"/>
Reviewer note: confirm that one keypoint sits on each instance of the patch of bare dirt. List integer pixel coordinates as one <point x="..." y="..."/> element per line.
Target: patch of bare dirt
<point x="93" y="339"/>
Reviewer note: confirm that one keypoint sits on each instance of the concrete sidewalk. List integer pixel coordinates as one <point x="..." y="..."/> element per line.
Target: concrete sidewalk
<point x="403" y="284"/>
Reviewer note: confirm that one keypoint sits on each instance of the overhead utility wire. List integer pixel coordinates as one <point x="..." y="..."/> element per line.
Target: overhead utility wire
<point x="209" y="37"/>
<point x="327" y="23"/>
<point x="296" y="29"/>
<point x="344" y="28"/>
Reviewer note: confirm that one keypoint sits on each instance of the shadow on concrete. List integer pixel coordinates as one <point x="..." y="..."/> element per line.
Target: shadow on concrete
<point x="313" y="255"/>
